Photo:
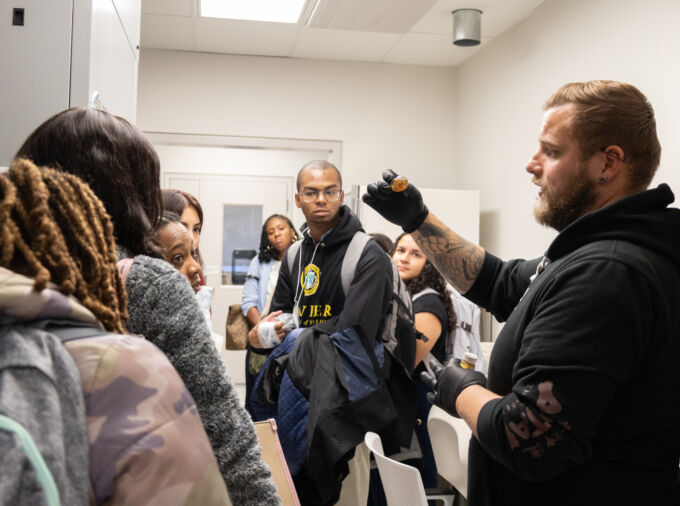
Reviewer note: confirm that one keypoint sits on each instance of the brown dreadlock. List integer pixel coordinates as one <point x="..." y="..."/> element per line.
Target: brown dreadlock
<point x="53" y="228"/>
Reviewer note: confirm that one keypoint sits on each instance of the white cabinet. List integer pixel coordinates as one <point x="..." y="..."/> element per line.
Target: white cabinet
<point x="35" y="60"/>
<point x="64" y="52"/>
<point x="458" y="209"/>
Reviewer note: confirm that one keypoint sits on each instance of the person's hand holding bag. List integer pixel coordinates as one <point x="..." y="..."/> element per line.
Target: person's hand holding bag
<point x="405" y="208"/>
<point x="448" y="381"/>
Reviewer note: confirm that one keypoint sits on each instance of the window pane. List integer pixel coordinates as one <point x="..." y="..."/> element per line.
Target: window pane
<point x="240" y="241"/>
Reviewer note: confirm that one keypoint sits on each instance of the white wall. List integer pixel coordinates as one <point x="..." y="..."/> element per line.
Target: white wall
<point x="106" y="54"/>
<point x="66" y="50"/>
<point x="386" y="116"/>
<point x="31" y="55"/>
<point x="501" y="90"/>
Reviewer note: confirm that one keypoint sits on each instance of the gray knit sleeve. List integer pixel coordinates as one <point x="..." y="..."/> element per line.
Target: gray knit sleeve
<point x="163" y="309"/>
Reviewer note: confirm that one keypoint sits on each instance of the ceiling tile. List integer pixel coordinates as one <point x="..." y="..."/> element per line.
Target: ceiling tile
<point x="428" y="49"/>
<point x="169" y="7"/>
<point x="167" y="32"/>
<point x="452" y="5"/>
<point x="343" y="45"/>
<point x="498" y="16"/>
<point x="438" y="21"/>
<point x="485" y="5"/>
<point x="499" y="21"/>
<point x="244" y="37"/>
<point x="385" y="16"/>
<point x="172" y="24"/>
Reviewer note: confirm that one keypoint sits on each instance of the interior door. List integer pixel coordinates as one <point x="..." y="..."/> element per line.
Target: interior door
<point x="239" y="205"/>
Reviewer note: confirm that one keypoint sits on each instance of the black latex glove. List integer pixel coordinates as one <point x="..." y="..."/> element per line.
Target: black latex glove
<point x="448" y="382"/>
<point x="405" y="209"/>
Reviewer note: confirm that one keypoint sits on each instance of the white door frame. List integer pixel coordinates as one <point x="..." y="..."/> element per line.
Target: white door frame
<point x="334" y="148"/>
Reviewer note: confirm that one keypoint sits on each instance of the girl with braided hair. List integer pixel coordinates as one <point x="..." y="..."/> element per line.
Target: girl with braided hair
<point x="59" y="282"/>
<point x="122" y="168"/>
<point x="53" y="229"/>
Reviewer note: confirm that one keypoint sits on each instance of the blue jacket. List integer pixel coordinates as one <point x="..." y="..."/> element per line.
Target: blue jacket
<point x="290" y="412"/>
<point x="255" y="287"/>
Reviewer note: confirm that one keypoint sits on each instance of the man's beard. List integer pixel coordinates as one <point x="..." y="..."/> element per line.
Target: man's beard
<point x="560" y="206"/>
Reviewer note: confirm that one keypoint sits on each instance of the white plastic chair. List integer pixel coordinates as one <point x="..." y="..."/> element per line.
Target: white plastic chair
<point x="450" y="438"/>
<point x="402" y="483"/>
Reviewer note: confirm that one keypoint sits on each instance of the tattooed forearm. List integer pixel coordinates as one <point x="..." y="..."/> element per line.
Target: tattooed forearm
<point x="457" y="259"/>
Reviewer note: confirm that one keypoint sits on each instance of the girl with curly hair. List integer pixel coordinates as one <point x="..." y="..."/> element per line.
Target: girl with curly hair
<point x="434" y="313"/>
<point x="434" y="318"/>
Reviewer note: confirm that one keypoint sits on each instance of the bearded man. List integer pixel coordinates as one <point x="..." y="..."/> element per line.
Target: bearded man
<point x="581" y="404"/>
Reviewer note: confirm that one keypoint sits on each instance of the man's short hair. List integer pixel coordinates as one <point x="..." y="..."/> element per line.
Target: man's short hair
<point x="318" y="164"/>
<point x="613" y="113"/>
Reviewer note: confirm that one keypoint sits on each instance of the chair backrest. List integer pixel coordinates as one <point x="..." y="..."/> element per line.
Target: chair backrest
<point x="403" y="485"/>
<point x="450" y="439"/>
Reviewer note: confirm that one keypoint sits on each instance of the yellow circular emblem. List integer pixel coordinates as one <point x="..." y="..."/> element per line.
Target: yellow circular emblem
<point x="310" y="279"/>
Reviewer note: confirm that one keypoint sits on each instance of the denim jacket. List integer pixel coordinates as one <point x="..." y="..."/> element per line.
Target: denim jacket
<point x="255" y="287"/>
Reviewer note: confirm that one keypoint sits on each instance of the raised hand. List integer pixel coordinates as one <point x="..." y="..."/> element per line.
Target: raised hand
<point x="405" y="208"/>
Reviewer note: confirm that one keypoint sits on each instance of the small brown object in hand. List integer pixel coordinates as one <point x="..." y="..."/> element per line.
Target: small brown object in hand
<point x="399" y="184"/>
<point x="469" y="360"/>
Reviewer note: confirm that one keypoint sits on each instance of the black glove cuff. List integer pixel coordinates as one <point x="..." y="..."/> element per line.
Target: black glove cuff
<point x="417" y="221"/>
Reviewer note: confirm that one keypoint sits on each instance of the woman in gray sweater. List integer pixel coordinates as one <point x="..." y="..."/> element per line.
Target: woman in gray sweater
<point x="122" y="168"/>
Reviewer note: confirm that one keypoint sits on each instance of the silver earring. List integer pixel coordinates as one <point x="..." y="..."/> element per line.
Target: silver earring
<point x="602" y="180"/>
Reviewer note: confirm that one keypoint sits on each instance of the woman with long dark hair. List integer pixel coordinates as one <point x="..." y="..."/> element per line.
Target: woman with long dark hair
<point x="122" y="168"/>
<point x="278" y="233"/>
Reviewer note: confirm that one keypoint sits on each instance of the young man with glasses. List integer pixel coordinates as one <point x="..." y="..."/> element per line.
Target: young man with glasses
<point x="310" y="289"/>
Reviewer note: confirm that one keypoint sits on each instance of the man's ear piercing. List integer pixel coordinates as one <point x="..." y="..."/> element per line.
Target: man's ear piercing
<point x="602" y="180"/>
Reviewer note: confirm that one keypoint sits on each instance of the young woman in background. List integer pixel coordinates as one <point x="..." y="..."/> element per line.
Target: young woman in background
<point x="178" y="248"/>
<point x="190" y="213"/>
<point x="434" y="317"/>
<point x="278" y="233"/>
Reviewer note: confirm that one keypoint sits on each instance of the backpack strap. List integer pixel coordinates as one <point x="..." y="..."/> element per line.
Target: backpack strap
<point x="400" y="299"/>
<point x="351" y="259"/>
<point x="69" y="330"/>
<point x="42" y="472"/>
<point x="290" y="254"/>
<point x="425" y="291"/>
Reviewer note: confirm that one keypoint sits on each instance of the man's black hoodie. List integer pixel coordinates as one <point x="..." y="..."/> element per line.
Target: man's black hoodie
<point x="587" y="364"/>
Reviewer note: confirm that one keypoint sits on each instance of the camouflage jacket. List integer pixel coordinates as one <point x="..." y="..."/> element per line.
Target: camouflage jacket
<point x="146" y="441"/>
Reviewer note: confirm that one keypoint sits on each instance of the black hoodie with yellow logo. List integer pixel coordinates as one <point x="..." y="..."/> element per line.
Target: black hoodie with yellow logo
<point x="315" y="281"/>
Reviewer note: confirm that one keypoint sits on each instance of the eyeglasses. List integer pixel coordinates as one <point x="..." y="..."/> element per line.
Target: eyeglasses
<point x="310" y="196"/>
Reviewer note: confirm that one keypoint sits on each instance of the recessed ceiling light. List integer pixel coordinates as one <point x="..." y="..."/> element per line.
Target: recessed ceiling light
<point x="277" y="11"/>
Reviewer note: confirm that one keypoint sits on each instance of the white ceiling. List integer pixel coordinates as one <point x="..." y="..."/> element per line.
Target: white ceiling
<point x="174" y="24"/>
